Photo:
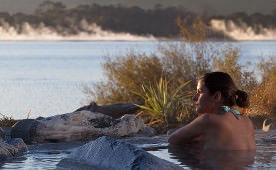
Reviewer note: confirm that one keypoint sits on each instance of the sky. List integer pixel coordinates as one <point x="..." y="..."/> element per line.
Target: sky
<point x="200" y="6"/>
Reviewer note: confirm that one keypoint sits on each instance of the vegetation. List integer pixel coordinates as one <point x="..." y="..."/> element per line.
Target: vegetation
<point x="7" y="121"/>
<point x="244" y="79"/>
<point x="263" y="98"/>
<point x="125" y="75"/>
<point x="163" y="104"/>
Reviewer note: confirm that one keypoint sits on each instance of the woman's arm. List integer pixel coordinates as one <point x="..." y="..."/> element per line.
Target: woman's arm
<point x="194" y="129"/>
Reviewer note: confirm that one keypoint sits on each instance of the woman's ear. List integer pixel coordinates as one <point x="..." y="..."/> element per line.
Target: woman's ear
<point x="218" y="96"/>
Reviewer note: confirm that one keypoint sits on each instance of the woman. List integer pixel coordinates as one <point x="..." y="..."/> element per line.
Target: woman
<point x="219" y="126"/>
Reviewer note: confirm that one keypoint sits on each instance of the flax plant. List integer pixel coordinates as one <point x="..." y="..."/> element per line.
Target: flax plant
<point x="162" y="104"/>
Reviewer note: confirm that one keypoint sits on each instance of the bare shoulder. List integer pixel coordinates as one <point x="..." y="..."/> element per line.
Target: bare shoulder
<point x="248" y="121"/>
<point x="207" y="119"/>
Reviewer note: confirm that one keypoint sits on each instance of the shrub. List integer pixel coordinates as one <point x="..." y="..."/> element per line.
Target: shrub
<point x="125" y="74"/>
<point x="177" y="62"/>
<point x="263" y="99"/>
<point x="228" y="62"/>
<point x="7" y="121"/>
<point x="195" y="32"/>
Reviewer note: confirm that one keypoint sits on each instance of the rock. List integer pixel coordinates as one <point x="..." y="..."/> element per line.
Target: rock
<point x="25" y="129"/>
<point x="115" y="110"/>
<point x="75" y="126"/>
<point x="2" y="134"/>
<point x="145" y="142"/>
<point x="267" y="125"/>
<point x="147" y="132"/>
<point x="40" y="118"/>
<point x="110" y="154"/>
<point x="11" y="148"/>
<point x="19" y="144"/>
<point x="7" y="132"/>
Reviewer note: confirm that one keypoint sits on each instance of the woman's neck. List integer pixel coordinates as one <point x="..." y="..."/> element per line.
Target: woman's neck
<point x="218" y="110"/>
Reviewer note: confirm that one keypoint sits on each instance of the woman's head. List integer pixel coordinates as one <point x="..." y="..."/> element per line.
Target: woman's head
<point x="218" y="88"/>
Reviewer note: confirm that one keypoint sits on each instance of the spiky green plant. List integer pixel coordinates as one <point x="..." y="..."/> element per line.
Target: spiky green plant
<point x="162" y="104"/>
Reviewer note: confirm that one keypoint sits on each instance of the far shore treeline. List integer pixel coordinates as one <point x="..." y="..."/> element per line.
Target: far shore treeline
<point x="159" y="21"/>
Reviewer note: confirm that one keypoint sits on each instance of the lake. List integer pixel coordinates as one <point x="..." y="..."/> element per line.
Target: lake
<point x="46" y="78"/>
<point x="48" y="156"/>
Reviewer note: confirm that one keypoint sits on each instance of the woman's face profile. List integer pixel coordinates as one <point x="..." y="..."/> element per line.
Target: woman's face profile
<point x="205" y="102"/>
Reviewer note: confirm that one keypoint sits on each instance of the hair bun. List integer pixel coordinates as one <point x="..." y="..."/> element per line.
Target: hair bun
<point x="242" y="99"/>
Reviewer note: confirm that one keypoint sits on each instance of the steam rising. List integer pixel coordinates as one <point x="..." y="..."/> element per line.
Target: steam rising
<point x="243" y="31"/>
<point x="41" y="32"/>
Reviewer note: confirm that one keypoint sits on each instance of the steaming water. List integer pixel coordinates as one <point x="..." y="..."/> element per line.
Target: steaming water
<point x="47" y="78"/>
<point x="89" y="31"/>
<point x="243" y="31"/>
<point x="47" y="156"/>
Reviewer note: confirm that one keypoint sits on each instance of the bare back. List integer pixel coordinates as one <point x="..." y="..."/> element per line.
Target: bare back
<point x="225" y="132"/>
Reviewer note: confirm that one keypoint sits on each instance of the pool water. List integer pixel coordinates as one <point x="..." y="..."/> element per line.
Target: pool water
<point x="47" y="156"/>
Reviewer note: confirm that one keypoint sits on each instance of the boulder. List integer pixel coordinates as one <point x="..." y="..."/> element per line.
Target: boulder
<point x="110" y="154"/>
<point x="115" y="110"/>
<point x="12" y="148"/>
<point x="75" y="126"/>
<point x="25" y="129"/>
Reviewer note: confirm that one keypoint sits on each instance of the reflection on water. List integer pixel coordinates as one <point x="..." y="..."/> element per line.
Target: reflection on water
<point x="48" y="156"/>
<point x="42" y="156"/>
<point x="197" y="158"/>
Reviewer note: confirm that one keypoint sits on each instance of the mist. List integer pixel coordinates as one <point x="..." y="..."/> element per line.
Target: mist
<point x="88" y="32"/>
<point x="243" y="31"/>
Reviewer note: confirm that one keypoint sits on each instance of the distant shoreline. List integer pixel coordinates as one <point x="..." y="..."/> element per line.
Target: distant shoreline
<point x="112" y="40"/>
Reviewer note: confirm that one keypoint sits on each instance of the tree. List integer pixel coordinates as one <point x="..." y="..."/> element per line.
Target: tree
<point x="48" y="6"/>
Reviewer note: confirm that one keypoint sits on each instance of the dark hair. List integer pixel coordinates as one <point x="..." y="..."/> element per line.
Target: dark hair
<point x="222" y="82"/>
